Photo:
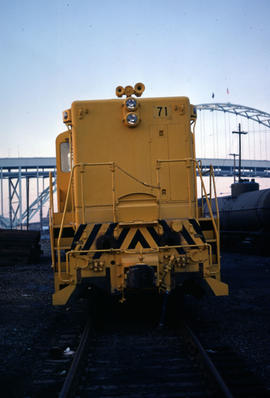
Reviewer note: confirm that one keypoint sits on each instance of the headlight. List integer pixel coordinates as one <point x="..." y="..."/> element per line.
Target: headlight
<point x="131" y="104"/>
<point x="132" y="119"/>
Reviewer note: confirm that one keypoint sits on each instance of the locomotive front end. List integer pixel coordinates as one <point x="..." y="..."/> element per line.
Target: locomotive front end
<point x="128" y="216"/>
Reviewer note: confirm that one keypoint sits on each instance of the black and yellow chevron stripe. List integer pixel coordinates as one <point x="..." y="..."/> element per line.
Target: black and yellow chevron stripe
<point x="101" y="236"/>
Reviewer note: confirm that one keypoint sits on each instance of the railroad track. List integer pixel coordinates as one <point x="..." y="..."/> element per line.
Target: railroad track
<point x="234" y="371"/>
<point x="54" y="360"/>
<point x="131" y="359"/>
<point x="122" y="354"/>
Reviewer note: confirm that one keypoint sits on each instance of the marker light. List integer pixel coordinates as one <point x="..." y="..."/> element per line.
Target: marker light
<point x="132" y="119"/>
<point x="131" y="104"/>
<point x="67" y="116"/>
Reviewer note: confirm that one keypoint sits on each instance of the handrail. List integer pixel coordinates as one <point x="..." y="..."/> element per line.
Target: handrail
<point x="114" y="166"/>
<point x="65" y="208"/>
<point x="209" y="205"/>
<point x="51" y="211"/>
<point x="83" y="165"/>
<point x="212" y="183"/>
<point x="141" y="251"/>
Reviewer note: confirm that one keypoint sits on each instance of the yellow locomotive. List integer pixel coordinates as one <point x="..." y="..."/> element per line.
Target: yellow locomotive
<point x="128" y="216"/>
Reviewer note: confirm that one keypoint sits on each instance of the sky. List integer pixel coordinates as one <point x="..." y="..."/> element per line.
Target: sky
<point x="55" y="52"/>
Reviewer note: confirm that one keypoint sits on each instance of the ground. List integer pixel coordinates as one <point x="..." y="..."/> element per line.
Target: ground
<point x="241" y="320"/>
<point x="28" y="319"/>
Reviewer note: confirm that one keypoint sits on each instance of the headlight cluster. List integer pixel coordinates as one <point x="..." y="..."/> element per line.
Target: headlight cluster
<point x="131" y="104"/>
<point x="131" y="118"/>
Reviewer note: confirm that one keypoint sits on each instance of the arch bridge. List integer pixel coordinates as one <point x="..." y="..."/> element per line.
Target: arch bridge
<point x="24" y="182"/>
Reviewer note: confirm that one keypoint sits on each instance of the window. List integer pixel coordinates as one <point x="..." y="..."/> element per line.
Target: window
<point x="65" y="157"/>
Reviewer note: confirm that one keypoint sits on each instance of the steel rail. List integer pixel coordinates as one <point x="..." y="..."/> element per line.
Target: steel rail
<point x="70" y="378"/>
<point x="193" y="344"/>
<point x="207" y="363"/>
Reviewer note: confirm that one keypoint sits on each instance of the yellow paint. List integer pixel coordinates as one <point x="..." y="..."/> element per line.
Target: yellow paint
<point x="132" y="177"/>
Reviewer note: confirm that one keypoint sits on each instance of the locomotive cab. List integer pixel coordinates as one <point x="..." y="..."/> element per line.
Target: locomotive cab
<point x="128" y="216"/>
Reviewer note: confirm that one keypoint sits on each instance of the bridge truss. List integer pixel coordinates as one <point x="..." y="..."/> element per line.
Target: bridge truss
<point x="20" y="201"/>
<point x="24" y="191"/>
<point x="239" y="110"/>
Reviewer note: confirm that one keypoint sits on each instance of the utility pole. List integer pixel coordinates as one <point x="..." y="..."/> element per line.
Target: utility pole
<point x="239" y="132"/>
<point x="27" y="203"/>
<point x="234" y="155"/>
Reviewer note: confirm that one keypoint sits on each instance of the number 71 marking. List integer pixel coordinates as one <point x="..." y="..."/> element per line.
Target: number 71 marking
<point x="162" y="111"/>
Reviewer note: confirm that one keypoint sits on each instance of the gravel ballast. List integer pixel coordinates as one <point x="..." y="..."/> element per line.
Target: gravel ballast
<point x="28" y="319"/>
